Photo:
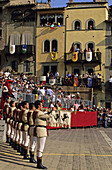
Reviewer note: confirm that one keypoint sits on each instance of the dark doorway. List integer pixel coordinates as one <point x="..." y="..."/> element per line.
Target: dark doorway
<point x="76" y="71"/>
<point x="53" y="69"/>
<point x="46" y="70"/>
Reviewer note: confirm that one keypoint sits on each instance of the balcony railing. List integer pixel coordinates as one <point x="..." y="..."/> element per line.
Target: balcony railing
<point x="83" y="57"/>
<point x="79" y="82"/>
<point x="19" y="50"/>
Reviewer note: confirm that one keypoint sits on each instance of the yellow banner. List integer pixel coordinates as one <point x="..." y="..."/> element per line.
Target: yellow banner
<point x="74" y="56"/>
<point x="54" y="56"/>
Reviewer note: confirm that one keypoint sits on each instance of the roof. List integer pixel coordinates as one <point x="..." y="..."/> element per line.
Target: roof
<point x="51" y="9"/>
<point x="86" y="3"/>
<point x="18" y="5"/>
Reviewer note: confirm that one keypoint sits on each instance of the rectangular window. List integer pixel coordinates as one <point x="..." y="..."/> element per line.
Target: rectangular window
<point x="0" y="33"/>
<point x="60" y="19"/>
<point x="111" y="57"/>
<point x="47" y="20"/>
<point x="26" y="66"/>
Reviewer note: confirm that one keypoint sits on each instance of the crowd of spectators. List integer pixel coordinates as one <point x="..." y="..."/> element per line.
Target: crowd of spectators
<point x="54" y="97"/>
<point x="89" y="80"/>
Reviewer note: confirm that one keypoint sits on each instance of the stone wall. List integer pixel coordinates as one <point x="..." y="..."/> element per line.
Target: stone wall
<point x="2" y="131"/>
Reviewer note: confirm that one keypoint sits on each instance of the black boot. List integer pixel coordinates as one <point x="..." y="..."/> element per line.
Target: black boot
<point x="11" y="142"/>
<point x="26" y="156"/>
<point x="19" y="149"/>
<point x="15" y="147"/>
<point x="22" y="151"/>
<point x="39" y="163"/>
<point x="32" y="160"/>
<point x="7" y="139"/>
<point x="14" y="144"/>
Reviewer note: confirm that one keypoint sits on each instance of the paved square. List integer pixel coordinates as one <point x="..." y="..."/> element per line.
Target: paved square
<point x="74" y="149"/>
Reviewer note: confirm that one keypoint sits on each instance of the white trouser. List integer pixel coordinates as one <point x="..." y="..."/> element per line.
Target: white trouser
<point x="17" y="136"/>
<point x="40" y="145"/>
<point x="25" y="140"/>
<point x="15" y="133"/>
<point x="12" y="132"/>
<point x="8" y="129"/>
<point x="20" y="137"/>
<point x="33" y="141"/>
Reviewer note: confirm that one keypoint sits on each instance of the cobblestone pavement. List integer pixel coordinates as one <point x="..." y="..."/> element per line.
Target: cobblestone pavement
<point x="74" y="149"/>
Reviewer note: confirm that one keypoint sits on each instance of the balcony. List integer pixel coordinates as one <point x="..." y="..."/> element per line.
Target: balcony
<point x="83" y="58"/>
<point x="18" y="50"/>
<point x="94" y="83"/>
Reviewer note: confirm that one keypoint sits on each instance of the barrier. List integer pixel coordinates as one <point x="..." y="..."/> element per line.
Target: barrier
<point x="66" y="103"/>
<point x="71" y="119"/>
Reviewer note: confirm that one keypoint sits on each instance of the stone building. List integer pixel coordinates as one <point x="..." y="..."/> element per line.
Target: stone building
<point x="17" y="34"/>
<point x="108" y="62"/>
<point x="82" y="26"/>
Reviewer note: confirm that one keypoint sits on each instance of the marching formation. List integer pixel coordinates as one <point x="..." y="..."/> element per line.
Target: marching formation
<point x="27" y="126"/>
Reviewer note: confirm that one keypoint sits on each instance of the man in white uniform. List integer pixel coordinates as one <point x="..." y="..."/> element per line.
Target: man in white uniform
<point x="40" y="118"/>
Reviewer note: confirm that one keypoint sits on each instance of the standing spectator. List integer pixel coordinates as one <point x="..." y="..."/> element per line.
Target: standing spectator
<point x="85" y="51"/>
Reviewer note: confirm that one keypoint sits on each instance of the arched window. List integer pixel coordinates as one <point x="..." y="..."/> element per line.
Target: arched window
<point x="46" y="46"/>
<point x="15" y="66"/>
<point x="77" y="25"/>
<point x="29" y="15"/>
<point x="14" y="39"/>
<point x="26" y="66"/>
<point x="77" y="45"/>
<point x="90" y="46"/>
<point x="26" y="38"/>
<point x="90" y="24"/>
<point x="16" y="15"/>
<point x="54" y="45"/>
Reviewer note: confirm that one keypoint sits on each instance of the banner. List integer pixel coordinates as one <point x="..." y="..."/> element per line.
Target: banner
<point x="12" y="49"/>
<point x="75" y="56"/>
<point x="88" y="56"/>
<point x="75" y="82"/>
<point x="24" y="48"/>
<point x="60" y="118"/>
<point x="54" y="56"/>
<point x="89" y="82"/>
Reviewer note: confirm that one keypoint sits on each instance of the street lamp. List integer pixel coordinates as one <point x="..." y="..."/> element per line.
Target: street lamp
<point x="65" y="42"/>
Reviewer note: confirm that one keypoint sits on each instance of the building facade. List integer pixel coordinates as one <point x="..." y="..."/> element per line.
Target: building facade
<point x="82" y="27"/>
<point x="18" y="36"/>
<point x="50" y="41"/>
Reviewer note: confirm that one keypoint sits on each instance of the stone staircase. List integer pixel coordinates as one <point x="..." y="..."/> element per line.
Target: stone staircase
<point x="2" y="131"/>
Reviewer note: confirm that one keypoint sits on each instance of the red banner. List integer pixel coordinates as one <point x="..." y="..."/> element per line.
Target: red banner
<point x="83" y="119"/>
